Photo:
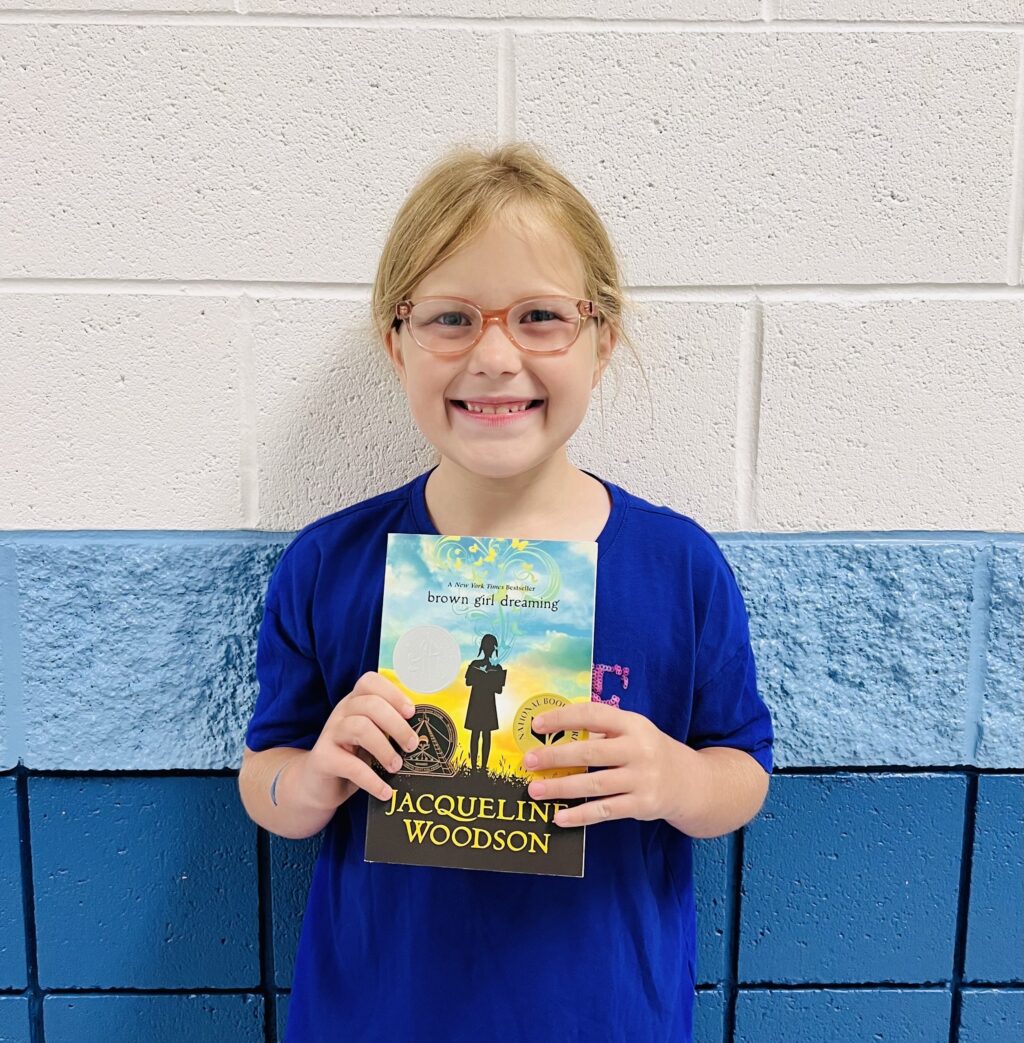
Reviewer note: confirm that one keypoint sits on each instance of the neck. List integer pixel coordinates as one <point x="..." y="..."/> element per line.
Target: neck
<point x="462" y="502"/>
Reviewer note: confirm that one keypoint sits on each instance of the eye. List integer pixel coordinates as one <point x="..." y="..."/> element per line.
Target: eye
<point x="541" y="311"/>
<point x="451" y="314"/>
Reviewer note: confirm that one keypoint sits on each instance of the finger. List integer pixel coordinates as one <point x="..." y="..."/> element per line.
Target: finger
<point x="590" y="784"/>
<point x="385" y="716"/>
<point x="362" y="732"/>
<point x="589" y="753"/>
<point x="603" y="810"/>
<point x="373" y="682"/>
<point x="360" y="774"/>
<point x="585" y="716"/>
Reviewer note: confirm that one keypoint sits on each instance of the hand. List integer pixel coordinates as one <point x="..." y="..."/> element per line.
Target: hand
<point x="359" y="726"/>
<point x="647" y="775"/>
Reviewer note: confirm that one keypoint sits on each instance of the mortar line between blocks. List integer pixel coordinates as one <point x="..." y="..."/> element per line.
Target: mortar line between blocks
<point x="977" y="654"/>
<point x="28" y="900"/>
<point x="963" y="900"/>
<point x="248" y="445"/>
<point x="748" y="414"/>
<point x="242" y="18"/>
<point x="268" y="975"/>
<point x="734" y="877"/>
<point x="506" y="85"/>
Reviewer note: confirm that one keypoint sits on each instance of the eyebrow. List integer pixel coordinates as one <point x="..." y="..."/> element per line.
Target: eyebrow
<point x="518" y="297"/>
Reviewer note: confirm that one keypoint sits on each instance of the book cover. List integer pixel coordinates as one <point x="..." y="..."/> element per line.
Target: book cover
<point x="482" y="634"/>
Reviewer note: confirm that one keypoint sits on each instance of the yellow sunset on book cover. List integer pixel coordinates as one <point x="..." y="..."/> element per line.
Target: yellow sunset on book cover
<point x="482" y="634"/>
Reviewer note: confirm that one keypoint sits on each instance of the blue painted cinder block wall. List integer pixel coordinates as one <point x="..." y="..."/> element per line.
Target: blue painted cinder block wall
<point x="879" y="894"/>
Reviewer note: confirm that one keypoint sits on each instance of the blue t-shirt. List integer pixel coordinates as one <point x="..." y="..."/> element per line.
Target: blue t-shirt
<point x="392" y="952"/>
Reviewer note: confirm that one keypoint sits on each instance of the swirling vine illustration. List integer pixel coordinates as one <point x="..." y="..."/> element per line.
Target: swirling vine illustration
<point x="496" y="563"/>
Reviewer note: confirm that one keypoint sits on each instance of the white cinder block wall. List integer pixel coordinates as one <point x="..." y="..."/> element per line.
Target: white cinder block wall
<point x="818" y="206"/>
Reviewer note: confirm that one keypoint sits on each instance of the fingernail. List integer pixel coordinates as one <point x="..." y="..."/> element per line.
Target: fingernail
<point x="537" y="789"/>
<point x="538" y="722"/>
<point x="396" y="764"/>
<point x="412" y="743"/>
<point x="531" y="760"/>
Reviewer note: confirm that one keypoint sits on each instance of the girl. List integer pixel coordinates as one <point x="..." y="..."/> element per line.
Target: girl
<point x="498" y="304"/>
<point x="485" y="679"/>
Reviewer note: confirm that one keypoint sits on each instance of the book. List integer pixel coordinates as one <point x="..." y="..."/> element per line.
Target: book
<point x="482" y="634"/>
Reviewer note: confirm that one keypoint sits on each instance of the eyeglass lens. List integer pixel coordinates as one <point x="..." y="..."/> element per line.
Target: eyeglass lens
<point x="543" y="324"/>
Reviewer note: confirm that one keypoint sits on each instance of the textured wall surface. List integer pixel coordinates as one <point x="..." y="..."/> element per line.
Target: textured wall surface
<point x="820" y="226"/>
<point x="121" y="651"/>
<point x="819" y="210"/>
<point x="858" y="905"/>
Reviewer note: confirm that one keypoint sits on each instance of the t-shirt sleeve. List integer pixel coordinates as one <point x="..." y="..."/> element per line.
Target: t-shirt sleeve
<point x="292" y="704"/>
<point x="727" y="708"/>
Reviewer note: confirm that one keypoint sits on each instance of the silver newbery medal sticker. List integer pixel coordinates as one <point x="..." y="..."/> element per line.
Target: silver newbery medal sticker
<point x="426" y="658"/>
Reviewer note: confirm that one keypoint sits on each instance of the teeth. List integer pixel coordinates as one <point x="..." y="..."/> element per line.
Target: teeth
<point x="496" y="409"/>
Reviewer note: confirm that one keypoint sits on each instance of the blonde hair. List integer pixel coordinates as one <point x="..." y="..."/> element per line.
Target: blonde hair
<point x="458" y="197"/>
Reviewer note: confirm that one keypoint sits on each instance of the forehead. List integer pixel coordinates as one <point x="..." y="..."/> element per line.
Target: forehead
<point x="515" y="256"/>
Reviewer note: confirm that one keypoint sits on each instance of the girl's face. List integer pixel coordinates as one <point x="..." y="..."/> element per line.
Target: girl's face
<point x="505" y="263"/>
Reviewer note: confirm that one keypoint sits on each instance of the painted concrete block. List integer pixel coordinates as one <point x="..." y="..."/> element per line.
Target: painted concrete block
<point x="132" y="401"/>
<point x="12" y="911"/>
<point x="140" y="653"/>
<point x="764" y="157"/>
<point x="154" y="1019"/>
<point x="991" y="1016"/>
<point x="291" y="870"/>
<point x="842" y="1015"/>
<point x="14" y="1024"/>
<point x="207" y="173"/>
<point x="995" y="921"/>
<point x="852" y="878"/>
<point x="154" y="878"/>
<point x="1002" y="720"/>
<point x="622" y="434"/>
<point x="282" y="1014"/>
<point x="861" y="646"/>
<point x="936" y="11"/>
<point x="711" y="888"/>
<point x="897" y="414"/>
<point x="709" y="1016"/>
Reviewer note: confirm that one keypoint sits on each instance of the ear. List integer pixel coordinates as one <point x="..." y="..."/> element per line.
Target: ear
<point x="393" y="346"/>
<point x="607" y="339"/>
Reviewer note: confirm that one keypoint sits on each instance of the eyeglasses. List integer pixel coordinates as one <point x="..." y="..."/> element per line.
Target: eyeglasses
<point x="453" y="325"/>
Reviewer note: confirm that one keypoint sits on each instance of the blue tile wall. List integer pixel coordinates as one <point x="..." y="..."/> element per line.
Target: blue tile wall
<point x="198" y="1019"/>
<point x="12" y="902"/>
<point x="291" y="870"/>
<point x="879" y="894"/>
<point x="711" y="893"/>
<point x="156" y="877"/>
<point x="135" y="652"/>
<point x="853" y="878"/>
<point x="843" y="1015"/>
<point x="14" y="1020"/>
<point x="165" y="867"/>
<point x="995" y="936"/>
<point x="992" y="1016"/>
<point x="709" y="1016"/>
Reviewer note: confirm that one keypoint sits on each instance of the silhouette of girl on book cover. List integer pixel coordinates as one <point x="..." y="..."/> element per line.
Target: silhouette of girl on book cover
<point x="485" y="680"/>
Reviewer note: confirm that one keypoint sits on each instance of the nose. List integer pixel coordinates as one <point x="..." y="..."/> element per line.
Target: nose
<point x="495" y="352"/>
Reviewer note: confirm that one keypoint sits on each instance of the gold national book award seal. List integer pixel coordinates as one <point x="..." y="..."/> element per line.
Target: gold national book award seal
<point x="527" y="739"/>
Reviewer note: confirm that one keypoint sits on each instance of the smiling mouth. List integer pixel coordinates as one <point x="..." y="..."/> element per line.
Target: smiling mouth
<point x="496" y="410"/>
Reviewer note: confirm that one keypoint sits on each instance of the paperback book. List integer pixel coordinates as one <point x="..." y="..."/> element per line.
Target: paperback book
<point x="482" y="634"/>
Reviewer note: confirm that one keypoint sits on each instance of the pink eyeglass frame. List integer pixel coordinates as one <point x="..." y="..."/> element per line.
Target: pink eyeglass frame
<point x="587" y="309"/>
